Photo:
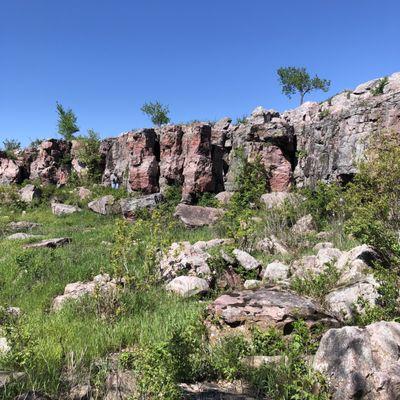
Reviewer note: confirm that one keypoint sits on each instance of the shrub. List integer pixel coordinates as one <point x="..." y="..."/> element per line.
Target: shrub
<point x="88" y="153"/>
<point x="10" y="146"/>
<point x="380" y="86"/>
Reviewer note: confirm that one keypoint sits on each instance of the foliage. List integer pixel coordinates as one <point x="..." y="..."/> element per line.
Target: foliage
<point x="387" y="306"/>
<point x="316" y="285"/>
<point x="88" y="153"/>
<point x="67" y="123"/>
<point x="297" y="80"/>
<point x="10" y="146"/>
<point x="250" y="184"/>
<point x="241" y="120"/>
<point x="207" y="200"/>
<point x="157" y="112"/>
<point x="371" y="202"/>
<point x="380" y="86"/>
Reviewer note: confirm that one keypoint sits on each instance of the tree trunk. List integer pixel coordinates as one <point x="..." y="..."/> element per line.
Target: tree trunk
<point x="302" y="98"/>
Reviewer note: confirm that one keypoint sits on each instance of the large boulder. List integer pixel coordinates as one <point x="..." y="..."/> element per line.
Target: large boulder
<point x="305" y="225"/>
<point x="245" y="260"/>
<point x="187" y="286"/>
<point x="106" y="205"/>
<point x="196" y="216"/>
<point x="131" y="206"/>
<point x="265" y="308"/>
<point x="361" y="363"/>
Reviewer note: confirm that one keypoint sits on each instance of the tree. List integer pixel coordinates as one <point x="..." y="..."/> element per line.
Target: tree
<point x="157" y="112"/>
<point x="295" y="80"/>
<point x="67" y="126"/>
<point x="11" y="145"/>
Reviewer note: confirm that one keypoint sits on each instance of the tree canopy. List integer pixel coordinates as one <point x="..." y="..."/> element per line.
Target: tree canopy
<point x="157" y="112"/>
<point x="67" y="126"/>
<point x="297" y="80"/>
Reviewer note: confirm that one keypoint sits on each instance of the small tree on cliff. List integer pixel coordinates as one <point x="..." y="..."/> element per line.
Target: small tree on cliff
<point x="157" y="112"/>
<point x="297" y="80"/>
<point x="67" y="126"/>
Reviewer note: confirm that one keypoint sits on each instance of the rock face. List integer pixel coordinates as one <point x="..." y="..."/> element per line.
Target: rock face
<point x="51" y="163"/>
<point x="331" y="136"/>
<point x="10" y="171"/>
<point x="266" y="307"/>
<point x="195" y="216"/>
<point x="361" y="363"/>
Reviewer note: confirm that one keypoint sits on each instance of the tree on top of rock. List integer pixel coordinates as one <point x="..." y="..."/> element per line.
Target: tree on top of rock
<point x="67" y="126"/>
<point x="157" y="112"/>
<point x="297" y="80"/>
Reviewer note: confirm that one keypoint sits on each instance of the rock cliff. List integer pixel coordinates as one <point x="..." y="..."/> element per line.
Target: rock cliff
<point x="314" y="142"/>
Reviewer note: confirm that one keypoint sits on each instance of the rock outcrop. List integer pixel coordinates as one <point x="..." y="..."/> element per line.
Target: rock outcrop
<point x="316" y="141"/>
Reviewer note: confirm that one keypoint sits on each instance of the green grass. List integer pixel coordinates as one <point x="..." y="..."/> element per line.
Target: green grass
<point x="30" y="279"/>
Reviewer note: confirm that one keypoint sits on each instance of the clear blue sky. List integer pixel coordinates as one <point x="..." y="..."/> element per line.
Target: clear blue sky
<point x="206" y="58"/>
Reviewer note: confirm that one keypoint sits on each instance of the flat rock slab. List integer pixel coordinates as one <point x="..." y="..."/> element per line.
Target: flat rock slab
<point x="22" y="236"/>
<point x="63" y="209"/>
<point x="49" y="243"/>
<point x="131" y="206"/>
<point x="22" y="226"/>
<point x="196" y="216"/>
<point x="106" y="205"/>
<point x="215" y="391"/>
<point x="267" y="307"/>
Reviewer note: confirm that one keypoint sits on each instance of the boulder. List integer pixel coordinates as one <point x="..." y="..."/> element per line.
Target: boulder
<point x="265" y="308"/>
<point x="84" y="193"/>
<point x="275" y="199"/>
<point x="216" y="391"/>
<point x="106" y="205"/>
<point x="224" y="197"/>
<point x="4" y="346"/>
<point x="29" y="193"/>
<point x="73" y="291"/>
<point x="10" y="171"/>
<point x="271" y="245"/>
<point x="49" y="243"/>
<point x="344" y="301"/>
<point x="304" y="226"/>
<point x="251" y="284"/>
<point x="132" y="205"/>
<point x="185" y="259"/>
<point x="63" y="209"/>
<point x="361" y="363"/>
<point x="196" y="216"/>
<point x="32" y="395"/>
<point x="245" y="260"/>
<point x="275" y="271"/>
<point x="187" y="286"/>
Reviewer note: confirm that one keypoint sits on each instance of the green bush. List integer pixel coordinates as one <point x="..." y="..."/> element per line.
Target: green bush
<point x="380" y="86"/>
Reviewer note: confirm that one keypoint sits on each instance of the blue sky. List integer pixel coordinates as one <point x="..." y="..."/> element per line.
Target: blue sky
<point x="206" y="59"/>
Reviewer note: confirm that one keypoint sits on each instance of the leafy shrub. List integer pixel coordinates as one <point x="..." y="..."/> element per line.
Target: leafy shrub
<point x="372" y="201"/>
<point x="250" y="183"/>
<point x="317" y="285"/>
<point x="10" y="146"/>
<point x="380" y="86"/>
<point x="241" y="120"/>
<point x="88" y="153"/>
